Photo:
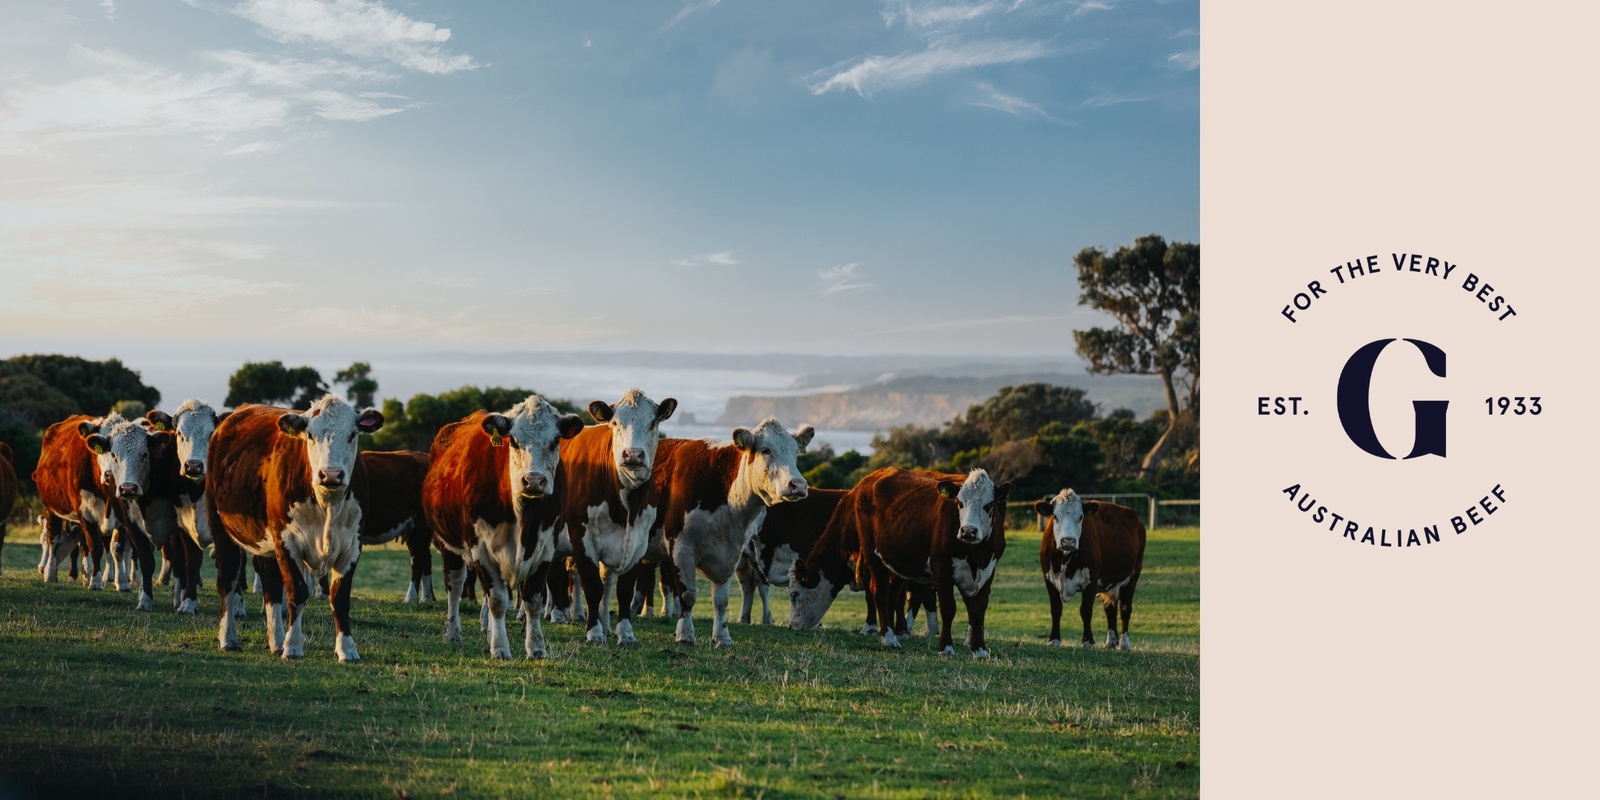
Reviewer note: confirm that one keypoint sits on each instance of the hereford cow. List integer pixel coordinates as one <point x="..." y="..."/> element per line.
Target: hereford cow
<point x="192" y="425"/>
<point x="909" y="526"/>
<point x="1094" y="548"/>
<point x="714" y="499"/>
<point x="493" y="500"/>
<point x="394" y="510"/>
<point x="69" y="481"/>
<point x="789" y="530"/>
<point x="8" y="489"/>
<point x="611" y="504"/>
<point x="287" y="489"/>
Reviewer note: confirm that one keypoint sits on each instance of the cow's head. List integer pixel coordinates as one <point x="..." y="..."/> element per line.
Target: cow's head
<point x="533" y="429"/>
<point x="329" y="430"/>
<point x="769" y="466"/>
<point x="192" y="425"/>
<point x="635" y="421"/>
<point x="812" y="588"/>
<point x="1066" y="512"/>
<point x="123" y="451"/>
<point x="980" y="505"/>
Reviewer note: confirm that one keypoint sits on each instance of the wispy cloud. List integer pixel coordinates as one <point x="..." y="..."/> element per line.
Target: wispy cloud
<point x="1090" y="6"/>
<point x="689" y="9"/>
<point x="358" y="28"/>
<point x="1184" y="60"/>
<point x="1105" y="99"/>
<point x="842" y="278"/>
<point x="876" y="73"/>
<point x="1014" y="105"/>
<point x="723" y="259"/>
<point x="110" y="7"/>
<point x="939" y="14"/>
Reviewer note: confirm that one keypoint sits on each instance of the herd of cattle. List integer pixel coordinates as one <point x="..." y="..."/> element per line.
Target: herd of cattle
<point x="520" y="501"/>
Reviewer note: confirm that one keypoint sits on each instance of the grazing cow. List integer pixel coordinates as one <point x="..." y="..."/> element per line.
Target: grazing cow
<point x="611" y="505"/>
<point x="286" y="488"/>
<point x="69" y="481"/>
<point x="8" y="489"/>
<point x="789" y="530"/>
<point x="394" y="510"/>
<point x="1094" y="548"/>
<point x="909" y="526"/>
<point x="714" y="499"/>
<point x="493" y="500"/>
<point x="192" y="425"/>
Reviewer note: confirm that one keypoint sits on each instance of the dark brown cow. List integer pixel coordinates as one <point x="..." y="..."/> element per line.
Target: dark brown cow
<point x="611" y="505"/>
<point x="286" y="488"/>
<point x="394" y="511"/>
<point x="192" y="425"/>
<point x="493" y="500"/>
<point x="8" y="489"/>
<point x="909" y="526"/>
<point x="790" y="529"/>
<point x="1094" y="548"/>
<point x="714" y="498"/>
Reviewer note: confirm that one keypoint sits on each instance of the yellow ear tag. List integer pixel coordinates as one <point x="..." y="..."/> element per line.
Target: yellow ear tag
<point x="495" y="439"/>
<point x="98" y="450"/>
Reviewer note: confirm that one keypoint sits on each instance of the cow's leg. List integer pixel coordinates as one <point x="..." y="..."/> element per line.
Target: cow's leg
<point x="1125" y="601"/>
<point x="902" y="591"/>
<point x="719" y="614"/>
<point x="164" y="577"/>
<point x="255" y="583"/>
<point x="339" y="599"/>
<point x="944" y="586"/>
<point x="746" y="572"/>
<point x="188" y="566"/>
<point x="229" y="560"/>
<point x="55" y="532"/>
<point x="418" y="543"/>
<point x="594" y="595"/>
<point x="272" y="599"/>
<point x="1055" y="612"/>
<point x="469" y="589"/>
<point x="870" y="627"/>
<point x="144" y="551"/>
<point x="496" y="601"/>
<point x="884" y="589"/>
<point x="122" y="558"/>
<point x="977" y="609"/>
<point x="682" y="569"/>
<point x="644" y="591"/>
<point x="558" y="593"/>
<point x="1108" y="601"/>
<point x="298" y="589"/>
<point x="244" y="566"/>
<point x="94" y="550"/>
<point x="575" y="606"/>
<point x="766" y="602"/>
<point x="624" y="584"/>
<point x="1086" y="610"/>
<point x="532" y="598"/>
<point x="455" y="580"/>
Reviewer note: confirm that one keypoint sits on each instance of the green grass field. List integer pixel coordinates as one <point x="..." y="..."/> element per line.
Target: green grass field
<point x="97" y="698"/>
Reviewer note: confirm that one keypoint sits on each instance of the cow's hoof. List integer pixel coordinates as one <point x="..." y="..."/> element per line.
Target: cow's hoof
<point x="231" y="647"/>
<point x="558" y="616"/>
<point x="980" y="653"/>
<point x="536" y="655"/>
<point x="595" y="636"/>
<point x="288" y="656"/>
<point x="505" y="656"/>
<point x="144" y="605"/>
<point x="869" y="630"/>
<point x="722" y="641"/>
<point x="1088" y="645"/>
<point x="948" y="651"/>
<point x="624" y="633"/>
<point x="452" y="636"/>
<point x="189" y="607"/>
<point x="349" y="659"/>
<point x="1055" y="642"/>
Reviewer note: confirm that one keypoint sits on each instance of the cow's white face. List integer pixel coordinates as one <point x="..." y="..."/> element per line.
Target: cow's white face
<point x="123" y="451"/>
<point x="1066" y="512"/>
<point x="533" y="429"/>
<point x="978" y="503"/>
<point x="329" y="430"/>
<point x="770" y="464"/>
<point x="635" y="421"/>
<point x="192" y="425"/>
<point x="812" y="590"/>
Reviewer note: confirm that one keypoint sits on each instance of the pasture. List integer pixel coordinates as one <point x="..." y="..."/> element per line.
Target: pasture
<point x="97" y="698"/>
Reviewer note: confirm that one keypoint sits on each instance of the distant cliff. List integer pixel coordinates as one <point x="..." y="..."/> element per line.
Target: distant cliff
<point x="929" y="401"/>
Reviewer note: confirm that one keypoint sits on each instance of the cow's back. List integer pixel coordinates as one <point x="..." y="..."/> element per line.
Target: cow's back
<point x="1114" y="536"/>
<point x="255" y="471"/>
<point x="904" y="514"/>
<point x="465" y="480"/>
<point x="800" y="524"/>
<point x="65" y="467"/>
<point x="394" y="489"/>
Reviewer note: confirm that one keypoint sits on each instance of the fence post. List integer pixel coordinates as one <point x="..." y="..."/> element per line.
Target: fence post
<point x="1153" y="506"/>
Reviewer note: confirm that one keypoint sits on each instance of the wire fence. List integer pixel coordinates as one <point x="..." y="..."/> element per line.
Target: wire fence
<point x="1152" y="511"/>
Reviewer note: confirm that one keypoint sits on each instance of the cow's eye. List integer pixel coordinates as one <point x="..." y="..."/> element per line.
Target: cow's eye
<point x="766" y="451"/>
<point x="352" y="437"/>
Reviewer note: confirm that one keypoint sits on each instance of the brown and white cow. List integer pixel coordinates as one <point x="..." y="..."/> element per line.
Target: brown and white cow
<point x="394" y="511"/>
<point x="69" y="480"/>
<point x="493" y="500"/>
<point x="192" y="425"/>
<point x="287" y="489"/>
<point x="714" y="499"/>
<point x="8" y="489"/>
<point x="790" y="530"/>
<point x="612" y="503"/>
<point x="1094" y="548"/>
<point x="909" y="526"/>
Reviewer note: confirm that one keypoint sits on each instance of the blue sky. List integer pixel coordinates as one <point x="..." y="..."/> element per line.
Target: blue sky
<point x="818" y="177"/>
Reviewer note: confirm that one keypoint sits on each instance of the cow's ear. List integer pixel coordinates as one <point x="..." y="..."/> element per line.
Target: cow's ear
<point x="292" y="424"/>
<point x="97" y="443"/>
<point x="743" y="439"/>
<point x="369" y="421"/>
<point x="665" y="410"/>
<point x="804" y="435"/>
<point x="949" y="489"/>
<point x="1044" y="508"/>
<point x="87" y="428"/>
<point x="220" y="417"/>
<point x="1003" y="491"/>
<point x="601" y="411"/>
<point x="160" y="420"/>
<point x="157" y="442"/>
<point x="570" y="425"/>
<point x="798" y="571"/>
<point x="1090" y="507"/>
<point x="496" y="426"/>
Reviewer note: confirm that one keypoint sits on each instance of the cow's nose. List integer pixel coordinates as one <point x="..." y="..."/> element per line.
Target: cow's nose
<point x="128" y="490"/>
<point x="194" y="468"/>
<point x="796" y="490"/>
<point x="331" y="476"/>
<point x="968" y="533"/>
<point x="535" y="484"/>
<point x="633" y="457"/>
